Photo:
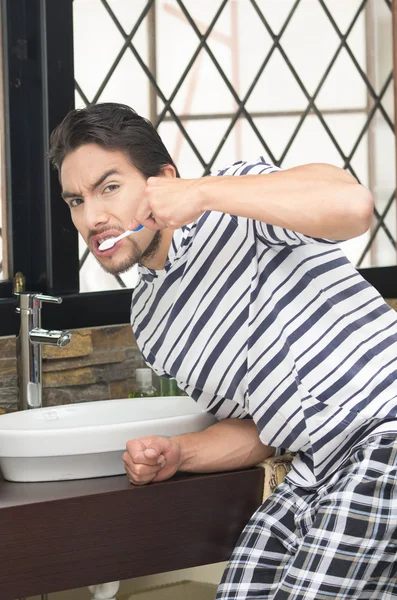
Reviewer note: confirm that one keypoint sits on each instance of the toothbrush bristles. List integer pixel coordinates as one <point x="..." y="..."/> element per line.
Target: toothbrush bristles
<point x="107" y="244"/>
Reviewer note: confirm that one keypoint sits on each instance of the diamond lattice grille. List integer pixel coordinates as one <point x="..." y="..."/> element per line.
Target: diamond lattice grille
<point x="295" y="80"/>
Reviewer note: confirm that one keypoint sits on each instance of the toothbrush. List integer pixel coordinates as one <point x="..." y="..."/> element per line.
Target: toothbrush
<point x="107" y="244"/>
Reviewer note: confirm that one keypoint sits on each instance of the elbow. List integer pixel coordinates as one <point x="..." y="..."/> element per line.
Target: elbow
<point x="357" y="211"/>
<point x="364" y="209"/>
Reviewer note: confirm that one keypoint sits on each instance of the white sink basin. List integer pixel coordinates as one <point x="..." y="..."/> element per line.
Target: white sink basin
<point x="78" y="441"/>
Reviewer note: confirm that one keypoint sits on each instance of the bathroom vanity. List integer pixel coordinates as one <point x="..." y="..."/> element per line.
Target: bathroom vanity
<point x="69" y="517"/>
<point x="68" y="534"/>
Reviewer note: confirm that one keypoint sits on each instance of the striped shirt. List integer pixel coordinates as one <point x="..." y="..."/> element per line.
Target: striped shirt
<point x="256" y="321"/>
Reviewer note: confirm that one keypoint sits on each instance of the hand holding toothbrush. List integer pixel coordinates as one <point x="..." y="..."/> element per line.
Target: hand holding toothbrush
<point x="169" y="202"/>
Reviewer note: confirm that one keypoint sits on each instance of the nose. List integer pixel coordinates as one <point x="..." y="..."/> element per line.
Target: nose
<point x="95" y="214"/>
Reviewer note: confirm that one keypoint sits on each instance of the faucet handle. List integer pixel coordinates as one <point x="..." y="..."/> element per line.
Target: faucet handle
<point x="44" y="298"/>
<point x="31" y="301"/>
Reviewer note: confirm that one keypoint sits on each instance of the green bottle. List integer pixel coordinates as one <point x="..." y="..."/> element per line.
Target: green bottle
<point x="164" y="386"/>
<point x="168" y="387"/>
<point x="144" y="384"/>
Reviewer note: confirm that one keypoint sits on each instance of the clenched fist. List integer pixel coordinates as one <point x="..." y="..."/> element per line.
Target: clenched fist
<point x="151" y="458"/>
<point x="169" y="202"/>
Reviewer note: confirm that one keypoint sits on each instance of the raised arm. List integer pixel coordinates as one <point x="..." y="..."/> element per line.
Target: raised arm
<point x="318" y="200"/>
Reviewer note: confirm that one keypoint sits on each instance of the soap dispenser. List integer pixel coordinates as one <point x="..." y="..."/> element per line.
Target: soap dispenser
<point x="144" y="384"/>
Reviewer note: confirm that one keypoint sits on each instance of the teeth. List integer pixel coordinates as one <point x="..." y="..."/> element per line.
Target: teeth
<point x="101" y="240"/>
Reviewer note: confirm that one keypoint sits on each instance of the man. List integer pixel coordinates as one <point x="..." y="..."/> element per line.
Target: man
<point x="245" y="298"/>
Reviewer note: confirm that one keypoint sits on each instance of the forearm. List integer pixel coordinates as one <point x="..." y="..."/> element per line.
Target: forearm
<point x="317" y="200"/>
<point x="228" y="445"/>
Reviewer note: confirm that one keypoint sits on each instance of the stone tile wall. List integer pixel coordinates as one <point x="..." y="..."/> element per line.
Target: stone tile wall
<point x="98" y="364"/>
<point x="8" y="374"/>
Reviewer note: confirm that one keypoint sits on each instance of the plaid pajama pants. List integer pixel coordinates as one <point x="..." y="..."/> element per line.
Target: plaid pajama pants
<point x="339" y="543"/>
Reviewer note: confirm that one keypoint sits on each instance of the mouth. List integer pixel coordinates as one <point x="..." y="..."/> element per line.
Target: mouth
<point x="98" y="239"/>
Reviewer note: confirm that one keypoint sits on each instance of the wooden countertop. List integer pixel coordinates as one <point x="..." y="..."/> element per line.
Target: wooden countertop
<point x="61" y="535"/>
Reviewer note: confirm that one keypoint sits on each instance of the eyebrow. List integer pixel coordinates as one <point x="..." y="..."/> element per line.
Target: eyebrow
<point x="94" y="185"/>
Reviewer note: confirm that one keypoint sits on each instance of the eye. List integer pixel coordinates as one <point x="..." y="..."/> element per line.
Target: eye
<point x="74" y="202"/>
<point x="111" y="187"/>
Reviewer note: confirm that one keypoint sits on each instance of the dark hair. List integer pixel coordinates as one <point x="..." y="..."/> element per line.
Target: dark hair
<point x="113" y="127"/>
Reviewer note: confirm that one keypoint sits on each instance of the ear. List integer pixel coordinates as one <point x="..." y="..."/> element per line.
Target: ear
<point x="167" y="171"/>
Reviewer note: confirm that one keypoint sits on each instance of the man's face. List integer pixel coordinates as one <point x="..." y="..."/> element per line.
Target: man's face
<point x="103" y="190"/>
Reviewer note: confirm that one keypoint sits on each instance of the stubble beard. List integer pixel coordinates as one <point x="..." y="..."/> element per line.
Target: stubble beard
<point x="134" y="257"/>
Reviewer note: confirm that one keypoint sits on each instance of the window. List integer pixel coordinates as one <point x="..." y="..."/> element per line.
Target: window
<point x="254" y="77"/>
<point x="309" y="94"/>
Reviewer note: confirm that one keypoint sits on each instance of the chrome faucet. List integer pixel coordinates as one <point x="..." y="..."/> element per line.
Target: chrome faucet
<point x="29" y="341"/>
